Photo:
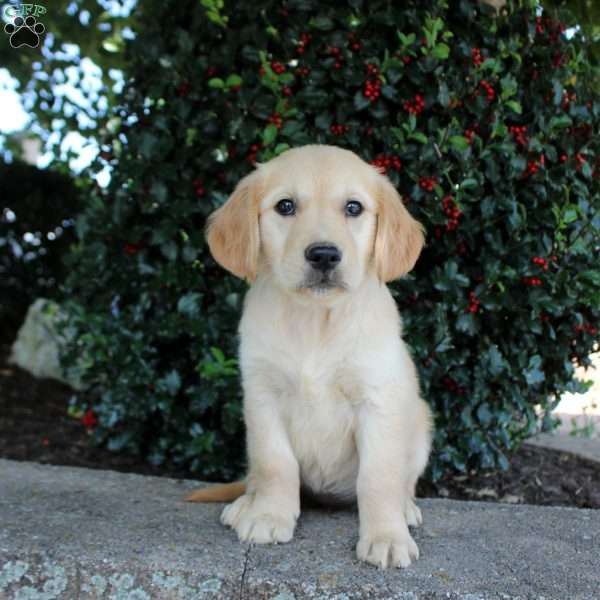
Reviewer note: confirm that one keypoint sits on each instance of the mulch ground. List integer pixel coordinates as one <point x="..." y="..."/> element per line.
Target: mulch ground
<point x="35" y="426"/>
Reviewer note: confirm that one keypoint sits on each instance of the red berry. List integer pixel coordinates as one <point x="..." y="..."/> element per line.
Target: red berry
<point x="518" y="134"/>
<point x="184" y="89"/>
<point x="278" y="68"/>
<point x="532" y="168"/>
<point x="474" y="302"/>
<point x="89" y="419"/>
<point x="372" y="84"/>
<point x="304" y="40"/>
<point x="489" y="90"/>
<point x="539" y="28"/>
<point x="277" y="120"/>
<point x="476" y="56"/>
<point x="339" y="129"/>
<point x="131" y="249"/>
<point x="254" y="148"/>
<point x="415" y="106"/>
<point x="532" y="281"/>
<point x="383" y="163"/>
<point x="427" y="183"/>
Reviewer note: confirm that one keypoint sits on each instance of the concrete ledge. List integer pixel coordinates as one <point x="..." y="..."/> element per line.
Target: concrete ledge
<point x="586" y="447"/>
<point x="68" y="533"/>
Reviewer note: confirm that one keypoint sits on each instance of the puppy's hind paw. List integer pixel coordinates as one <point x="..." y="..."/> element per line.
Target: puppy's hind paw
<point x="413" y="515"/>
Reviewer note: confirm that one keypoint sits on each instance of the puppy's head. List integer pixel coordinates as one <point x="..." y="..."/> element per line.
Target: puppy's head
<point x="318" y="220"/>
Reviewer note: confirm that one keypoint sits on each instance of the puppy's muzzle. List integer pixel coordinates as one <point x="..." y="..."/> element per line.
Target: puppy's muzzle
<point x="323" y="257"/>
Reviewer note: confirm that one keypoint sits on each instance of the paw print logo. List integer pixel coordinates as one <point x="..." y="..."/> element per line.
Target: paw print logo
<point x="24" y="32"/>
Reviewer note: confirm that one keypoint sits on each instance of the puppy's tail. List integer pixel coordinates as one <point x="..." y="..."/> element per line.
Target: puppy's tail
<point x="225" y="492"/>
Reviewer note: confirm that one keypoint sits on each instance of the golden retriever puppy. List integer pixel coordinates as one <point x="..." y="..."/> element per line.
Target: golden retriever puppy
<point x="331" y="396"/>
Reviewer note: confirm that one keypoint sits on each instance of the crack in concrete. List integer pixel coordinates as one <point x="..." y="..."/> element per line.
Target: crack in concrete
<point x="243" y="578"/>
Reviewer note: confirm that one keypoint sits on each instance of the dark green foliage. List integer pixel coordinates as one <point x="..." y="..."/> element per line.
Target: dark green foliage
<point x="484" y="124"/>
<point x="38" y="203"/>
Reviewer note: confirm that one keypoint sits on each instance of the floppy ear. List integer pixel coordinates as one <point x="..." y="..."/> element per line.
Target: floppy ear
<point x="232" y="231"/>
<point x="399" y="239"/>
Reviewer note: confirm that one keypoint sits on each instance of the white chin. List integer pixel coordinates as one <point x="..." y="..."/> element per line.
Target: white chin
<point x="325" y="290"/>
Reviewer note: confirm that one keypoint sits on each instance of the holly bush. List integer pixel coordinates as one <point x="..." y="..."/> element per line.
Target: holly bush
<point x="486" y="124"/>
<point x="36" y="229"/>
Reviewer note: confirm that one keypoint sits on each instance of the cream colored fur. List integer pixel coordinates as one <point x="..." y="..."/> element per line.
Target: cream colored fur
<point x="331" y="396"/>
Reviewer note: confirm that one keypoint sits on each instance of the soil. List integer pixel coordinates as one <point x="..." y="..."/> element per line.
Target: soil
<point x="35" y="426"/>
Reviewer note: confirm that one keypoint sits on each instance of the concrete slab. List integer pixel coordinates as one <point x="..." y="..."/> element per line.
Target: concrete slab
<point x="586" y="447"/>
<point x="68" y="533"/>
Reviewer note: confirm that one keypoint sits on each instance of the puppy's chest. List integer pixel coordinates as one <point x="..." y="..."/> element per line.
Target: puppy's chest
<point x="319" y="398"/>
<point x="321" y="381"/>
<point x="316" y="370"/>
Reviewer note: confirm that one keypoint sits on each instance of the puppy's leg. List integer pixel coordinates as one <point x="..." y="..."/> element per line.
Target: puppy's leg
<point x="419" y="455"/>
<point x="384" y="445"/>
<point x="268" y="511"/>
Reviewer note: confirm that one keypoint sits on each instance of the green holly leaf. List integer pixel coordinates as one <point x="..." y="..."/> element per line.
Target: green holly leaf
<point x="169" y="250"/>
<point x="466" y="324"/>
<point x="484" y="414"/>
<point x="323" y="23"/>
<point x="460" y="143"/>
<point x="419" y="137"/>
<point x="360" y="102"/>
<point x="269" y="134"/>
<point x="216" y="83"/>
<point x="443" y="94"/>
<point x="561" y="122"/>
<point x="172" y="382"/>
<point x="469" y="183"/>
<point x="441" y="51"/>
<point x="232" y="81"/>
<point x="534" y="373"/>
<point x="495" y="360"/>
<point x="188" y="305"/>
<point x="514" y="106"/>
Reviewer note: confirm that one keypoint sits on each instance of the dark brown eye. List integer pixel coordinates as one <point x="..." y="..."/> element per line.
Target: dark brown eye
<point x="286" y="207"/>
<point x="353" y="208"/>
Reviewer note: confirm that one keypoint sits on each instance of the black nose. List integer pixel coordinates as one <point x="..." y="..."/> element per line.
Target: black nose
<point x="323" y="257"/>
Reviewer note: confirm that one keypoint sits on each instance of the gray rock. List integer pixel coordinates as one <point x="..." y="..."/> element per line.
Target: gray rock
<point x="36" y="348"/>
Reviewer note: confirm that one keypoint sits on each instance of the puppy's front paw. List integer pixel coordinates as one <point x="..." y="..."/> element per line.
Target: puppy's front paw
<point x="389" y="550"/>
<point x="259" y="521"/>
